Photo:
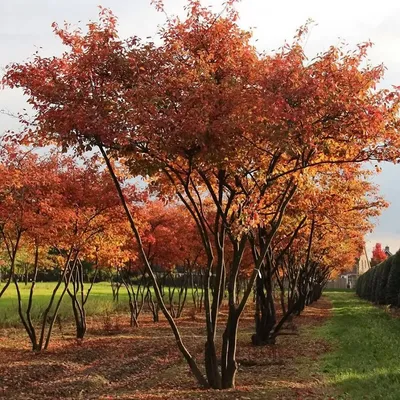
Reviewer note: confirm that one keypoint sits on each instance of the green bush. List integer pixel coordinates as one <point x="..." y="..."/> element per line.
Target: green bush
<point x="363" y="284"/>
<point x="393" y="282"/>
<point x="370" y="284"/>
<point x="380" y="297"/>
<point x="366" y="283"/>
<point x="376" y="282"/>
<point x="359" y="284"/>
<point x="381" y="284"/>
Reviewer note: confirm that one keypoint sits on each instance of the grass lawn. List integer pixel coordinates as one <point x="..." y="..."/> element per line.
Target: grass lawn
<point x="100" y="302"/>
<point x="365" y="362"/>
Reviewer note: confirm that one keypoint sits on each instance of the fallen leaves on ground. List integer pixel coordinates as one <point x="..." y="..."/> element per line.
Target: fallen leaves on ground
<point x="145" y="364"/>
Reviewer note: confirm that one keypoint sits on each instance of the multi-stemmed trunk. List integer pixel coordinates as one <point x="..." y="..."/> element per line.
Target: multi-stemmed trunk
<point x="197" y="287"/>
<point x="12" y="250"/>
<point x="265" y="313"/>
<point x="40" y="339"/>
<point x="215" y="377"/>
<point x="177" y="293"/>
<point x="152" y="304"/>
<point x="115" y="287"/>
<point x="135" y="297"/>
<point x="79" y="298"/>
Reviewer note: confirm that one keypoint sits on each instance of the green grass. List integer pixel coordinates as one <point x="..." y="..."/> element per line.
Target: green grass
<point x="100" y="302"/>
<point x="365" y="361"/>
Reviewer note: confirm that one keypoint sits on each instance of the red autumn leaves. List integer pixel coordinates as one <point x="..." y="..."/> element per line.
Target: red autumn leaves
<point x="262" y="151"/>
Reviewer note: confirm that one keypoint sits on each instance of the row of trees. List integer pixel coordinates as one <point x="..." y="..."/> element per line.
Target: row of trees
<point x="63" y="219"/>
<point x="262" y="151"/>
<point x="57" y="213"/>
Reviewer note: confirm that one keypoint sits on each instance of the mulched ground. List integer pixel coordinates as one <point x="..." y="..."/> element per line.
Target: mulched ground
<point x="144" y="363"/>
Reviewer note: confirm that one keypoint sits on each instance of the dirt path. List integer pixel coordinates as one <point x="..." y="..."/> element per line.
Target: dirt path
<point x="144" y="364"/>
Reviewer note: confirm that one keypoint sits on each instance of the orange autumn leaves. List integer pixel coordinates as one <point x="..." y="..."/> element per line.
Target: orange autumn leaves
<point x="57" y="204"/>
<point x="205" y="100"/>
<point x="257" y="155"/>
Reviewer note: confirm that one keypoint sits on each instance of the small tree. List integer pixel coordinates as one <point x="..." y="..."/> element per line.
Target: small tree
<point x="378" y="254"/>
<point x="228" y="131"/>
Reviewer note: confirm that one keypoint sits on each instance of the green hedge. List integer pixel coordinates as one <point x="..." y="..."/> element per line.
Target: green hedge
<point x="383" y="279"/>
<point x="375" y="282"/>
<point x="381" y="284"/>
<point x="393" y="283"/>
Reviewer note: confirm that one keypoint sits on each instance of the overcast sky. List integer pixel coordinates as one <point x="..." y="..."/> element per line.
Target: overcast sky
<point x="25" y="26"/>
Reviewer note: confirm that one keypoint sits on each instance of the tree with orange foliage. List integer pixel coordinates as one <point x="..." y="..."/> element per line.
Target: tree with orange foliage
<point x="29" y="198"/>
<point x="378" y="255"/>
<point x="52" y="205"/>
<point x="171" y="254"/>
<point x="231" y="132"/>
<point x="346" y="209"/>
<point x="328" y="237"/>
<point x="87" y="210"/>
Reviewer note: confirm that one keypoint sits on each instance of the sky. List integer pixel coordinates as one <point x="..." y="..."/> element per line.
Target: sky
<point x="25" y="26"/>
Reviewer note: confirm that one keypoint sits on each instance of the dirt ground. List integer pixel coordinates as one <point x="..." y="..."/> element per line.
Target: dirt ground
<point x="144" y="363"/>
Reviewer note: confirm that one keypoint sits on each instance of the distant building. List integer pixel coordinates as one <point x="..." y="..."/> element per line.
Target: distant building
<point x="362" y="265"/>
<point x="388" y="252"/>
<point x="349" y="279"/>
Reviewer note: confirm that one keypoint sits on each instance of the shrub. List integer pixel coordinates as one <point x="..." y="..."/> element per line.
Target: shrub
<point x="384" y="275"/>
<point x="393" y="282"/>
<point x="359" y="284"/>
<point x="376" y="282"/>
<point x="370" y="283"/>
<point x="365" y="287"/>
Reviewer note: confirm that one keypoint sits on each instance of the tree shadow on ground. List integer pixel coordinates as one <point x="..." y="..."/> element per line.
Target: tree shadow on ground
<point x="145" y="364"/>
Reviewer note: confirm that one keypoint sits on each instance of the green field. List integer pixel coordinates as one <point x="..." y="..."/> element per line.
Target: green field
<point x="100" y="302"/>
<point x="364" y="363"/>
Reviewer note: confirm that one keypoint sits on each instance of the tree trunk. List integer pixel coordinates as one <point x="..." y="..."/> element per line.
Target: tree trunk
<point x="265" y="315"/>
